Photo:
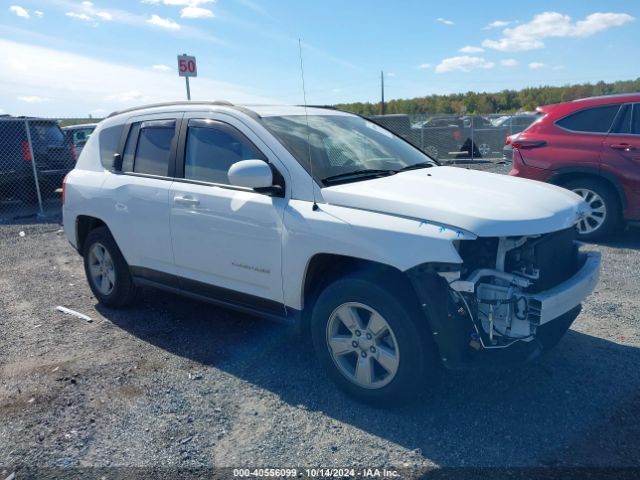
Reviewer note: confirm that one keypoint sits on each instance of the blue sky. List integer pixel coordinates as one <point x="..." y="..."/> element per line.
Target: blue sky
<point x="73" y="57"/>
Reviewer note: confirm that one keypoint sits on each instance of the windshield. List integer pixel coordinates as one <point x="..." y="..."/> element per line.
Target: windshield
<point x="339" y="144"/>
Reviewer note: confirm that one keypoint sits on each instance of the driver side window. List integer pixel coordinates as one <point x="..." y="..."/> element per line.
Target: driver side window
<point x="212" y="147"/>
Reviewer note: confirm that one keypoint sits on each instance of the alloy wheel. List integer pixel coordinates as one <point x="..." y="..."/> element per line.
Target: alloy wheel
<point x="101" y="269"/>
<point x="362" y="345"/>
<point x="484" y="149"/>
<point x="594" y="220"/>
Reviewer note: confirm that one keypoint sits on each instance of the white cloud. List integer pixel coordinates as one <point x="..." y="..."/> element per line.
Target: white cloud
<point x="106" y="16"/>
<point x="471" y="49"/>
<point x="558" y="67"/>
<point x="32" y="99"/>
<point x="100" y="15"/>
<point x="424" y="66"/>
<point x="390" y="74"/>
<point x="128" y="97"/>
<point x="187" y="3"/>
<point x="192" y="8"/>
<point x="509" y="62"/>
<point x="496" y="24"/>
<point x="38" y="13"/>
<point x="536" y="65"/>
<point x="162" y="68"/>
<point x="196" y="12"/>
<point x="19" y="11"/>
<point x="80" y="16"/>
<point x="463" y="63"/>
<point x="530" y="36"/>
<point x="163" y="22"/>
<point x="444" y="21"/>
<point x="76" y="83"/>
<point x="87" y="12"/>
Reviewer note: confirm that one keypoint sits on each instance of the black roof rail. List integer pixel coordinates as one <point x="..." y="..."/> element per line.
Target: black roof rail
<point x="328" y="107"/>
<point x="611" y="95"/>
<point x="171" y="104"/>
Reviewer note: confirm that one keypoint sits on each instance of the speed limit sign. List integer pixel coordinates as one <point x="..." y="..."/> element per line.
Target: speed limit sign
<point x="187" y="66"/>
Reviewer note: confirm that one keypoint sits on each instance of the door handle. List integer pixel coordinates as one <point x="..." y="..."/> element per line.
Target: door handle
<point x="187" y="201"/>
<point x="622" y="146"/>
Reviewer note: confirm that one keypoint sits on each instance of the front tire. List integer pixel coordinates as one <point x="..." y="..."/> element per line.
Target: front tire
<point x="372" y="341"/>
<point x="106" y="269"/>
<point x="605" y="215"/>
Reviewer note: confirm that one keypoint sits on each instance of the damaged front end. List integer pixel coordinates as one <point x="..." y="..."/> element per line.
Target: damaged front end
<point x="511" y="299"/>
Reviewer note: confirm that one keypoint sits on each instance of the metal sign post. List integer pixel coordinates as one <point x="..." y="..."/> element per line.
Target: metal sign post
<point x="187" y="68"/>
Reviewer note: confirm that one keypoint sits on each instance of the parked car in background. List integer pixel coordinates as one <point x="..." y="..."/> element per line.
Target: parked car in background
<point x="514" y="124"/>
<point x="390" y="264"/>
<point x="439" y="136"/>
<point x="78" y="135"/>
<point x="51" y="153"/>
<point x="592" y="147"/>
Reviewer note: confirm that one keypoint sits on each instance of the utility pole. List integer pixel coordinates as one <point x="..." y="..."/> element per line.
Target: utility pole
<point x="382" y="92"/>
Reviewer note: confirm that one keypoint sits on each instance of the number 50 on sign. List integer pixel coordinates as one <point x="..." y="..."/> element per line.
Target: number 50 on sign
<point x="187" y="66"/>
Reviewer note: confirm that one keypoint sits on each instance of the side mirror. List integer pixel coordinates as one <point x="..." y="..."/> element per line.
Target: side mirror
<point x="116" y="165"/>
<point x="255" y="174"/>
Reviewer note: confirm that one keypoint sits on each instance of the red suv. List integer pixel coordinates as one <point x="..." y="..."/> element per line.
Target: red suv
<point x="592" y="147"/>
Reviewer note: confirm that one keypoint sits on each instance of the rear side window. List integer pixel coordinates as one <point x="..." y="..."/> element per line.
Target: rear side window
<point x="109" y="143"/>
<point x="591" y="120"/>
<point x="148" y="148"/>
<point x="623" y="124"/>
<point x="635" y="129"/>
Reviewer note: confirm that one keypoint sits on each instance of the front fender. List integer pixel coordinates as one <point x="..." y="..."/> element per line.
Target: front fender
<point x="398" y="242"/>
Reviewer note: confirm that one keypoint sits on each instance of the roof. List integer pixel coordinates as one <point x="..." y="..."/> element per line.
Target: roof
<point x="79" y="126"/>
<point x="252" y="110"/>
<point x="631" y="97"/>
<point x="5" y="118"/>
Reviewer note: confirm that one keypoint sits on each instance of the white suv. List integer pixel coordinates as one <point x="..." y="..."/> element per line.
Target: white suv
<point x="391" y="264"/>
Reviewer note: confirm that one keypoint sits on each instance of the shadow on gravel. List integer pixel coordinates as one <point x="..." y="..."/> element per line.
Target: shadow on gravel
<point x="579" y="405"/>
<point x="16" y="212"/>
<point x="629" y="238"/>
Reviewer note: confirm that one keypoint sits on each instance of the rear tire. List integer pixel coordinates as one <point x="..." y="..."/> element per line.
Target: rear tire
<point x="604" y="202"/>
<point x="372" y="340"/>
<point x="106" y="269"/>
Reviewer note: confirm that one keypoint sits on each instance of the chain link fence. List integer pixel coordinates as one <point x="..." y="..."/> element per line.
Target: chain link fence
<point x="451" y="138"/>
<point x="35" y="155"/>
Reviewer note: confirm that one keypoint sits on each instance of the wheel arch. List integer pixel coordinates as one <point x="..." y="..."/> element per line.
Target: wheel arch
<point x="421" y="285"/>
<point x="565" y="175"/>
<point x="84" y="225"/>
<point x="324" y="268"/>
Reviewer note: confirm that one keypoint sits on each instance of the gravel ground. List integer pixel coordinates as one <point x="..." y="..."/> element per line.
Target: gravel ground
<point x="176" y="383"/>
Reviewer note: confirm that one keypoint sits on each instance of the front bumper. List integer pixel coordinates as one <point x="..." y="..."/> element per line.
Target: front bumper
<point x="550" y="313"/>
<point x="550" y="304"/>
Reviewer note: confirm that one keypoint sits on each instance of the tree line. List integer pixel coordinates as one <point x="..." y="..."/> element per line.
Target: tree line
<point x="507" y="101"/>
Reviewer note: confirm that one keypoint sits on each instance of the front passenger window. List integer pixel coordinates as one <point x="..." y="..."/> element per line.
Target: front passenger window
<point x="212" y="148"/>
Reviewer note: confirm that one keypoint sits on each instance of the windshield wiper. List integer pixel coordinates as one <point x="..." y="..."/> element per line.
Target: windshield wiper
<point x="416" y="166"/>
<point x="369" y="172"/>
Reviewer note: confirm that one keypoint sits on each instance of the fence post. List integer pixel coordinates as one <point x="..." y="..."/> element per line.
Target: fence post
<point x="473" y="144"/>
<point x="33" y="165"/>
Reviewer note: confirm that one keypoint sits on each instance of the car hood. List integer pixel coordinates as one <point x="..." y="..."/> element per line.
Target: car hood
<point x="486" y="204"/>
